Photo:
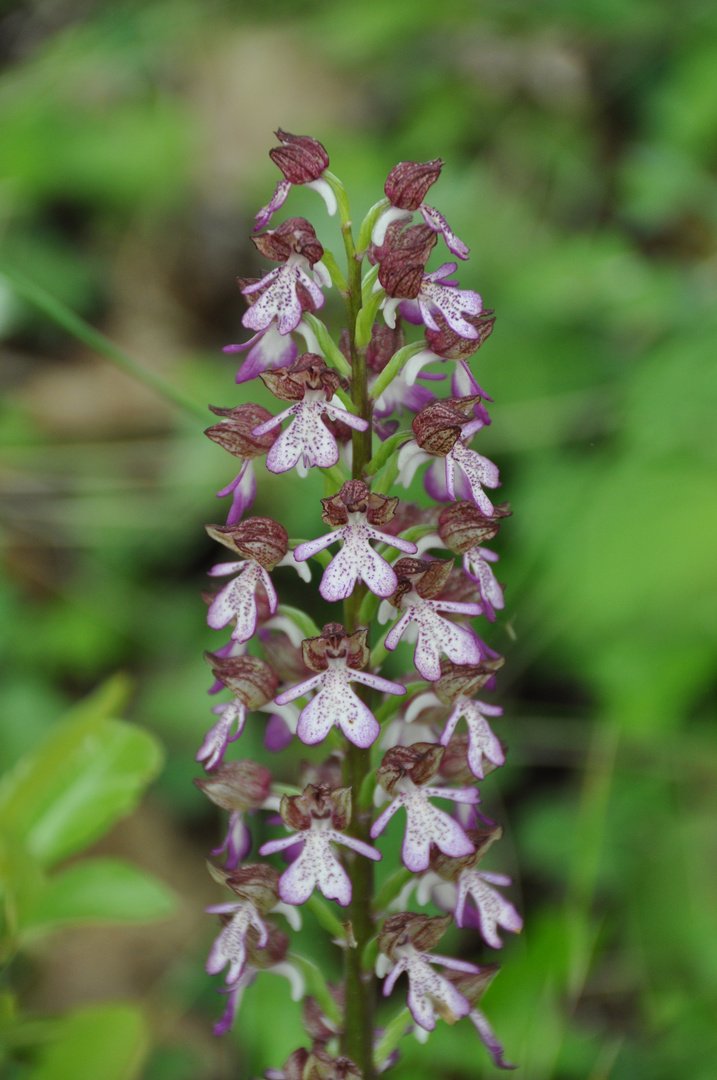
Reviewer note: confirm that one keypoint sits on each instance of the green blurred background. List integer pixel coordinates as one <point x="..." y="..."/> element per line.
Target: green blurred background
<point x="580" y="138"/>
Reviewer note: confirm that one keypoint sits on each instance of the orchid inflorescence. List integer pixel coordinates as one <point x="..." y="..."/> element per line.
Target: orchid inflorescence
<point x="386" y="740"/>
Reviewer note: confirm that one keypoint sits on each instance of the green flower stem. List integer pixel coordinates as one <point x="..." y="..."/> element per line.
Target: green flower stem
<point x="357" y="1041"/>
<point x="76" y="326"/>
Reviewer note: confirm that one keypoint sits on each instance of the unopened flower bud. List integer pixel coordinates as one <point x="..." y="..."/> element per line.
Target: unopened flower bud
<point x="438" y="425"/>
<point x="234" y="431"/>
<point x="300" y="157"/>
<point x="408" y="182"/>
<point x="318" y="1026"/>
<point x="445" y="342"/>
<point x="461" y="525"/>
<point x="464" y="680"/>
<point x="408" y="928"/>
<point x="293" y="237"/>
<point x="248" y="677"/>
<point x="402" y="260"/>
<point x="309" y="372"/>
<point x="236" y="785"/>
<point x="261" y="539"/>
<point x="420" y="762"/>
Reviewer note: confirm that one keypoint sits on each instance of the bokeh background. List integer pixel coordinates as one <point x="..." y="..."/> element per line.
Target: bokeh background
<point x="580" y="138"/>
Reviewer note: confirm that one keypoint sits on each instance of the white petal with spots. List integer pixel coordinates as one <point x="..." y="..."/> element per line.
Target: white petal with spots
<point x="482" y="742"/>
<point x="493" y="909"/>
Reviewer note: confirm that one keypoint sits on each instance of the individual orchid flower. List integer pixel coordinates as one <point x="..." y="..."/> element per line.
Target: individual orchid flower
<point x="302" y="160"/>
<point x="416" y="598"/>
<point x="404" y="943"/>
<point x="405" y="187"/>
<point x="229" y="947"/>
<point x="338" y="658"/>
<point x="446" y="345"/>
<point x="295" y="246"/>
<point x="255" y="888"/>
<point x="403" y="774"/>
<point x="401" y="273"/>
<point x="318" y="815"/>
<point x="271" y="959"/>
<point x="455" y="687"/>
<point x="263" y="543"/>
<point x="438" y="294"/>
<point x="450" y="882"/>
<point x="356" y="512"/>
<point x="238" y="787"/>
<point x="253" y="684"/>
<point x="442" y="430"/>
<point x="268" y="348"/>
<point x="463" y="529"/>
<point x="307" y="441"/>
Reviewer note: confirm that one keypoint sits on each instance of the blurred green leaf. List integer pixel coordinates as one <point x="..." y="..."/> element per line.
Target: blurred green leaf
<point x="99" y="1041"/>
<point x="84" y="776"/>
<point x="98" y="890"/>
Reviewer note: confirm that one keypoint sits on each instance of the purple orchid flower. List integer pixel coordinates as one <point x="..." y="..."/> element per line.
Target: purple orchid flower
<point x="317" y="865"/>
<point x="307" y="441"/>
<point x="212" y="750"/>
<point x="357" y="560"/>
<point x="405" y="187"/>
<point x="465" y="470"/>
<point x="434" y="635"/>
<point x="279" y="300"/>
<point x="426" y="824"/>
<point x="428" y="992"/>
<point x="303" y="161"/>
<point x="229" y="947"/>
<point x="438" y="292"/>
<point x="337" y="704"/>
<point x="237" y="600"/>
